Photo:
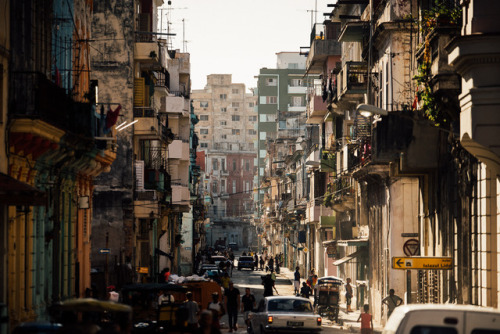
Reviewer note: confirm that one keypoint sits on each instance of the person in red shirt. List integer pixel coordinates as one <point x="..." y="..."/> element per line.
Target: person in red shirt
<point x="166" y="274"/>
<point x="366" y="321"/>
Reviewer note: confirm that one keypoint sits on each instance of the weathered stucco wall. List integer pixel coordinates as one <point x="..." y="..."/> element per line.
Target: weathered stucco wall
<point x="112" y="65"/>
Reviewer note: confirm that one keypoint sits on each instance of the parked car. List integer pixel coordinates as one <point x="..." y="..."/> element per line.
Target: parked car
<point x="285" y="314"/>
<point x="447" y="319"/>
<point x="206" y="267"/>
<point x="246" y="262"/>
<point x="233" y="246"/>
<point x="216" y="259"/>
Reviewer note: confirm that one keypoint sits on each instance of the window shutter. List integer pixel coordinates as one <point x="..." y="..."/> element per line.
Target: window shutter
<point x="139" y="174"/>
<point x="139" y="92"/>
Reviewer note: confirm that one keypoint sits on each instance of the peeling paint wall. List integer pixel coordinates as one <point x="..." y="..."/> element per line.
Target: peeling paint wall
<point x="112" y="65"/>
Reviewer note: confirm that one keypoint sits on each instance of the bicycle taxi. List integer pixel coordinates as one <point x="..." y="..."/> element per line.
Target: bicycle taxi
<point x="327" y="297"/>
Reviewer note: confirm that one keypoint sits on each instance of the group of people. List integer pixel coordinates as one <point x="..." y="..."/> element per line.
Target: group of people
<point x="207" y="320"/>
<point x="268" y="262"/>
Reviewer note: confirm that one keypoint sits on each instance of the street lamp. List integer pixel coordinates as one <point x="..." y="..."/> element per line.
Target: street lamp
<point x="367" y="110"/>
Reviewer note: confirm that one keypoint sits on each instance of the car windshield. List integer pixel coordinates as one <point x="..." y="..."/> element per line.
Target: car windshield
<point x="289" y="305"/>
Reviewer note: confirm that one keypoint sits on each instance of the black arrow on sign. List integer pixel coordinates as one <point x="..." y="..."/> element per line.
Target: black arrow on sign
<point x="399" y="263"/>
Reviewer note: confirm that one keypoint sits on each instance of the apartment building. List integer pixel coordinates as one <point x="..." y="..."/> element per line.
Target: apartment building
<point x="227" y="136"/>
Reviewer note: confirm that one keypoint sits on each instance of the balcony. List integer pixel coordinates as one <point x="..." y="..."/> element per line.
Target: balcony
<point x="296" y="108"/>
<point x="319" y="52"/>
<point x="353" y="79"/>
<point x="315" y="210"/>
<point x="175" y="105"/>
<point x="340" y="195"/>
<point x="180" y="194"/>
<point x="162" y="84"/>
<point x="297" y="89"/>
<point x="317" y="110"/>
<point x="33" y="96"/>
<point x="178" y="149"/>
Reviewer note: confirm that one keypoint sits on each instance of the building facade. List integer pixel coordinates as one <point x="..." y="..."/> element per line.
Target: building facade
<point x="227" y="135"/>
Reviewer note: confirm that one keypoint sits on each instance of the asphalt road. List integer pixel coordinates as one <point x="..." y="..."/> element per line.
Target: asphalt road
<point x="247" y="278"/>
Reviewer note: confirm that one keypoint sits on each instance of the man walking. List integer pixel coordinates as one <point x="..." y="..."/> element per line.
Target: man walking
<point x="392" y="301"/>
<point x="248" y="301"/>
<point x="192" y="311"/>
<point x="232" y="306"/>
<point x="296" y="281"/>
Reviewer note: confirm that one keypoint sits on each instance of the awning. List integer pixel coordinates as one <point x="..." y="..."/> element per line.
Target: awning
<point x="14" y="192"/>
<point x="347" y="258"/>
<point x="353" y="242"/>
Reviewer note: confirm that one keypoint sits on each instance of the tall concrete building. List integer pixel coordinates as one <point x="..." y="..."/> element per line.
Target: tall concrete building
<point x="227" y="135"/>
<point x="281" y="105"/>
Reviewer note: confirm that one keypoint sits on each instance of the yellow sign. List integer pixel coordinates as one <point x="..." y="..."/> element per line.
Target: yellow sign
<point x="305" y="249"/>
<point x="143" y="270"/>
<point x="419" y="262"/>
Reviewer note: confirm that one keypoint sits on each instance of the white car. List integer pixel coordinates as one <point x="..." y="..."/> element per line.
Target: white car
<point x="446" y="319"/>
<point x="285" y="314"/>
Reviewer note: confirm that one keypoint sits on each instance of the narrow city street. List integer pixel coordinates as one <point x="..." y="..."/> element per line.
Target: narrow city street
<point x="247" y="278"/>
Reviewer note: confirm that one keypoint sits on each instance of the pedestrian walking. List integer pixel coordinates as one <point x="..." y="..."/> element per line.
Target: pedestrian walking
<point x="392" y="301"/>
<point x="256" y="261"/>
<point x="270" y="264"/>
<point x="261" y="263"/>
<point x="232" y="306"/>
<point x="217" y="310"/>
<point x="366" y="321"/>
<point x="192" y="311"/>
<point x="248" y="305"/>
<point x="268" y="285"/>
<point x="296" y="281"/>
<point x="348" y="295"/>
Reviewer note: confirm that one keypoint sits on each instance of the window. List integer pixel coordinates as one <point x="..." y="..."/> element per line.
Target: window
<point x="204" y="145"/>
<point x="262" y="153"/>
<point x="235" y="104"/>
<point x="267" y="117"/>
<point x="296" y="101"/>
<point x="251" y="105"/>
<point x="234" y="186"/>
<point x="203" y="104"/>
<point x="235" y="132"/>
<point x="252" y="118"/>
<point x="223" y="96"/>
<point x="293" y="66"/>
<point x="204" y="131"/>
<point x="235" y="91"/>
<point x="215" y="164"/>
<point x="234" y="165"/>
<point x="214" y="186"/>
<point x="271" y="100"/>
<point x="296" y="82"/>
<point x="252" y="132"/>
<point x="247" y="165"/>
<point x="223" y="109"/>
<point x="203" y="117"/>
<point x="223" y="164"/>
<point x="271" y="82"/>
<point x="223" y="136"/>
<point x="251" y="146"/>
<point x="223" y="123"/>
<point x="222" y="186"/>
<point x="262" y="135"/>
<point x="235" y="118"/>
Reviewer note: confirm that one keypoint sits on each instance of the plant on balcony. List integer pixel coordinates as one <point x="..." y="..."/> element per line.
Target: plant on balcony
<point x="428" y="103"/>
<point x="441" y="14"/>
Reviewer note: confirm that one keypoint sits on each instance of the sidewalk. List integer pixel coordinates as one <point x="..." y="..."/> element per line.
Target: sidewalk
<point x="347" y="321"/>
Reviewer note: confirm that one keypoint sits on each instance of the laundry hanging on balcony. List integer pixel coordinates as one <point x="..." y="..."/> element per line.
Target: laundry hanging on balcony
<point x="111" y="118"/>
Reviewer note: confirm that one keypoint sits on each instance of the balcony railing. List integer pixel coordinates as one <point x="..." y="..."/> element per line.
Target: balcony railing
<point x="144" y="112"/>
<point x="33" y="96"/>
<point x="353" y="79"/>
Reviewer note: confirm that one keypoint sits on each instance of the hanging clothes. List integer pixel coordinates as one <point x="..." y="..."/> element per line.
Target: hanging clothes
<point x="112" y="117"/>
